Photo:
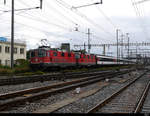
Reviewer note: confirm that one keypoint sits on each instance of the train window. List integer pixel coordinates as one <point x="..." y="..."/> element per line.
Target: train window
<point x="80" y="55"/>
<point x="55" y="53"/>
<point x="48" y="54"/>
<point x="41" y="53"/>
<point x="62" y="54"/>
<point x="77" y="56"/>
<point x="106" y="59"/>
<point x="88" y="57"/>
<point x="84" y="56"/>
<point x="32" y="54"/>
<point x="69" y="54"/>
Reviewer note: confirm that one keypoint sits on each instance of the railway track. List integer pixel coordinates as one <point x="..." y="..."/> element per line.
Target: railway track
<point x="8" y="100"/>
<point x="49" y="77"/>
<point x="126" y="100"/>
<point x="144" y="105"/>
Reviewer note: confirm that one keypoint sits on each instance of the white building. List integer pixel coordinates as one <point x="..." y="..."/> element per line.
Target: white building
<point x="5" y="52"/>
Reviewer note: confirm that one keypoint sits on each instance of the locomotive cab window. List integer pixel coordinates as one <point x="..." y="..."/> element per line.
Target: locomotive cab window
<point x="62" y="54"/>
<point x="41" y="53"/>
<point x="77" y="56"/>
<point x="69" y="54"/>
<point x="55" y="53"/>
<point x="48" y="54"/>
<point x="33" y="54"/>
<point x="84" y="56"/>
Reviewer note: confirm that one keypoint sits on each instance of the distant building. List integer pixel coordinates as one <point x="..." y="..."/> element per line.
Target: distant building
<point x="5" y="51"/>
<point x="3" y="39"/>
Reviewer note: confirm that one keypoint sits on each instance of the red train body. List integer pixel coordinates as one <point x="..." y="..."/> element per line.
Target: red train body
<point x="43" y="58"/>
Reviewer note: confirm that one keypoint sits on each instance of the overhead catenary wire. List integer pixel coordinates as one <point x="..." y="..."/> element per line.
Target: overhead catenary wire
<point x="65" y="25"/>
<point x="82" y="16"/>
<point x="36" y="27"/>
<point x="139" y="15"/>
<point x="106" y="17"/>
<point x="55" y="11"/>
<point x="45" y="21"/>
<point x="38" y="19"/>
<point x="64" y="4"/>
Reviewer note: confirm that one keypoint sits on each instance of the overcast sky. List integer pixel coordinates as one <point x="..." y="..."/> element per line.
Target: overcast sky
<point x="58" y="19"/>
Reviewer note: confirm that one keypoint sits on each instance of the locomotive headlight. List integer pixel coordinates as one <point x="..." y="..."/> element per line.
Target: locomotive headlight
<point x="36" y="60"/>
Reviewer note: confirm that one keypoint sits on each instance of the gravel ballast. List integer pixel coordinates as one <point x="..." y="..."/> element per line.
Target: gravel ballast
<point x="80" y="106"/>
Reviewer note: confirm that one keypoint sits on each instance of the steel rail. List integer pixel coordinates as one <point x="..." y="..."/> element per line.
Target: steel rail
<point x="142" y="99"/>
<point x="55" y="85"/>
<point x="108" y="99"/>
<point x="37" y="96"/>
<point x="35" y="78"/>
<point x="38" y="89"/>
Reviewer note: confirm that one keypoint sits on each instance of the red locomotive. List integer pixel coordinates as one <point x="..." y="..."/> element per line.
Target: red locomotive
<point x="45" y="57"/>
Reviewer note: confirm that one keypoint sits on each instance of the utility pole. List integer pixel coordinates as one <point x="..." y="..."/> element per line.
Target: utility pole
<point x="12" y="29"/>
<point x="117" y="32"/>
<point x="128" y="44"/>
<point x="104" y="53"/>
<point x="89" y="46"/>
<point x="84" y="47"/>
<point x="12" y="35"/>
<point x="136" y="54"/>
<point x="4" y="2"/>
<point x="122" y="45"/>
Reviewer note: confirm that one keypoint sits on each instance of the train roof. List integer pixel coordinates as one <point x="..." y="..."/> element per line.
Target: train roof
<point x="110" y="57"/>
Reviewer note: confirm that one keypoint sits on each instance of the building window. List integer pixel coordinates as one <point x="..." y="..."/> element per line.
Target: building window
<point x="0" y="49"/>
<point x="7" y="49"/>
<point x="21" y="50"/>
<point x="7" y="62"/>
<point x="15" y="50"/>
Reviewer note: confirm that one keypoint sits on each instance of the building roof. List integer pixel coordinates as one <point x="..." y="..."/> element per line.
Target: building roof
<point x="15" y="43"/>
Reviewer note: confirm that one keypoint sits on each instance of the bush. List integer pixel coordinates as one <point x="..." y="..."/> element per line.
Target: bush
<point x="21" y="69"/>
<point x="28" y="73"/>
<point x="22" y="62"/>
<point x="6" y="71"/>
<point x="4" y="67"/>
<point x="39" y="72"/>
